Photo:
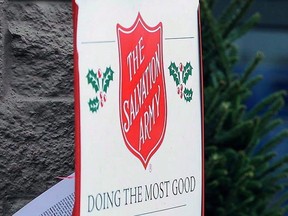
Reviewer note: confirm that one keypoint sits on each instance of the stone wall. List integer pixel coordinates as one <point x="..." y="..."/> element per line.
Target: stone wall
<point x="36" y="99"/>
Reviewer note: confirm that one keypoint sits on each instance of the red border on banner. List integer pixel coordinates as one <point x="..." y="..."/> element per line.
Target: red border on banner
<point x="76" y="209"/>
<point x="202" y="108"/>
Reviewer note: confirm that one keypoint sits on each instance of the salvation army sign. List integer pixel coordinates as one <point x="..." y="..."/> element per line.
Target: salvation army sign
<point x="138" y="108"/>
<point x="143" y="111"/>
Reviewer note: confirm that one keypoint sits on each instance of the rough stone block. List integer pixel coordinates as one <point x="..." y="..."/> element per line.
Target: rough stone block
<point x="36" y="114"/>
<point x="2" y="30"/>
<point x="13" y="205"/>
<point x="36" y="146"/>
<point x="1" y="206"/>
<point x="41" y="48"/>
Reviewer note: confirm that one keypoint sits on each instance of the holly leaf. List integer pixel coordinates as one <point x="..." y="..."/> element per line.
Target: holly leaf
<point x="188" y="93"/>
<point x="174" y="73"/>
<point x="93" y="80"/>
<point x="187" y="72"/>
<point x="107" y="77"/>
<point x="93" y="104"/>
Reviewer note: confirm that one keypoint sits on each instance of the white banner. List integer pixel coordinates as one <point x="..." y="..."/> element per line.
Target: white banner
<point x="138" y="108"/>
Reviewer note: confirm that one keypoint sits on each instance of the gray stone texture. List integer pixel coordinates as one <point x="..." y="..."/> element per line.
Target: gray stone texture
<point x="2" y="32"/>
<point x="36" y="99"/>
<point x="16" y="204"/>
<point x="41" y="43"/>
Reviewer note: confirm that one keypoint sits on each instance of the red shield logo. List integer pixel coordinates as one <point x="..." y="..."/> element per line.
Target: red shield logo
<point x="143" y="107"/>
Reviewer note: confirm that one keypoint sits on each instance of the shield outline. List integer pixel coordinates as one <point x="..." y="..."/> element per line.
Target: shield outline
<point x="119" y="28"/>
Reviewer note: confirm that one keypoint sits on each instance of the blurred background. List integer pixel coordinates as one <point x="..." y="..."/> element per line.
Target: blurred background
<point x="269" y="36"/>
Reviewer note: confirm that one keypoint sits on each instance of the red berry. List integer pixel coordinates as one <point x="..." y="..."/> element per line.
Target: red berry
<point x="101" y="96"/>
<point x="181" y="67"/>
<point x="178" y="90"/>
<point x="99" y="73"/>
<point x="105" y="98"/>
<point x="181" y="95"/>
<point x="101" y="103"/>
<point x="181" y="87"/>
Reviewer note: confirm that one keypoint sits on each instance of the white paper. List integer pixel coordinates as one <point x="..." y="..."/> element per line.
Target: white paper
<point x="57" y="201"/>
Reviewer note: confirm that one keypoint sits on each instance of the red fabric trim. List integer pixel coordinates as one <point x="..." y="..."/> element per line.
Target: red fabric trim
<point x="202" y="109"/>
<point x="77" y="148"/>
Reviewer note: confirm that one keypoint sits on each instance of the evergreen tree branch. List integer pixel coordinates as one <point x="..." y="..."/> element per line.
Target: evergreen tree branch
<point x="274" y="141"/>
<point x="217" y="40"/>
<point x="243" y="29"/>
<point x="264" y="103"/>
<point x="238" y="15"/>
<point x="251" y="68"/>
<point x="238" y="170"/>
<point x="270" y="126"/>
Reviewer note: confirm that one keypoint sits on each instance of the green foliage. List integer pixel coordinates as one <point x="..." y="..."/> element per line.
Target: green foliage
<point x="107" y="78"/>
<point x="94" y="104"/>
<point x="93" y="80"/>
<point x="188" y="93"/>
<point x="242" y="177"/>
<point x="174" y="73"/>
<point x="187" y="72"/>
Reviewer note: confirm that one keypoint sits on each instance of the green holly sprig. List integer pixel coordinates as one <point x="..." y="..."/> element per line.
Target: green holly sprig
<point x="180" y="76"/>
<point x="100" y="82"/>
